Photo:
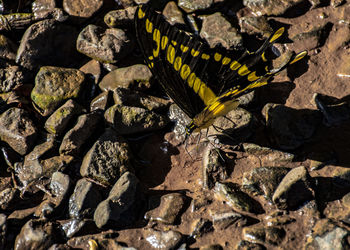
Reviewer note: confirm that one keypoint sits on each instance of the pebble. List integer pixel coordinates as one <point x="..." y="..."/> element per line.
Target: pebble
<point x="162" y="239"/>
<point x="246" y="245"/>
<point x="173" y="14"/>
<point x="261" y="235"/>
<point x="8" y="48"/>
<point x="222" y="221"/>
<point x="11" y="77"/>
<point x="213" y="167"/>
<point x="200" y="227"/>
<point x="195" y="5"/>
<point x="82" y="8"/>
<point x="120" y="18"/>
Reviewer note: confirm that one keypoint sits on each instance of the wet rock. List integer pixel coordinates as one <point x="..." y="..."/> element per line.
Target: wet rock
<point x="200" y="227"/>
<point x="107" y="46"/>
<point x="108" y="159"/>
<point x="336" y="3"/>
<point x="172" y="13"/>
<point x="346" y="200"/>
<point x="101" y="102"/>
<point x="121" y="207"/>
<point x="8" y="48"/>
<point x="234" y="197"/>
<point x="263" y="180"/>
<point x="92" y="69"/>
<point x="120" y="18"/>
<point x="82" y="130"/>
<point x="254" y="25"/>
<point x="10" y="77"/>
<point x="82" y="8"/>
<point x="294" y="189"/>
<point x="194" y="5"/>
<point x="84" y="199"/>
<point x="162" y="239"/>
<point x="74" y="227"/>
<point x="277" y="219"/>
<point x="213" y="167"/>
<point x="60" y="185"/>
<point x="47" y="43"/>
<point x="127" y="97"/>
<point x="268" y="156"/>
<point x="129" y="120"/>
<point x="41" y="8"/>
<point x="9" y="198"/>
<point x="126" y="77"/>
<point x="170" y="208"/>
<point x="290" y="128"/>
<point x="221" y="221"/>
<point x="180" y="119"/>
<point x="216" y="30"/>
<point x="246" y="245"/>
<point x="17" y="130"/>
<point x="54" y="85"/>
<point x="3" y="230"/>
<point x="334" y="111"/>
<point x="45" y="210"/>
<point x="211" y="247"/>
<point x="58" y="121"/>
<point x="328" y="235"/>
<point x="235" y="128"/>
<point x="270" y="7"/>
<point x="261" y="235"/>
<point x="36" y="234"/>
<point x="312" y="39"/>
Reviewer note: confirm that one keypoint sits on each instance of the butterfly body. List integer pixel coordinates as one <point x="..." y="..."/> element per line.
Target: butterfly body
<point x="205" y="83"/>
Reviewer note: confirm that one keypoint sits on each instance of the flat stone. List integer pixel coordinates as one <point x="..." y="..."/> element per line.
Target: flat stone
<point x="74" y="227"/>
<point x="121" y="207"/>
<point x="58" y="121"/>
<point x="17" y="130"/>
<point x="126" y="77"/>
<point x="101" y="102"/>
<point x="217" y="30"/>
<point x="108" y="159"/>
<point x="261" y="235"/>
<point x="129" y="120"/>
<point x="82" y="8"/>
<point x="47" y="42"/>
<point x="84" y="199"/>
<point x="93" y="70"/>
<point x="162" y="239"/>
<point x="222" y="221"/>
<point x="213" y="168"/>
<point x="121" y="17"/>
<point x="60" y="186"/>
<point x="82" y="130"/>
<point x="173" y="14"/>
<point x="54" y="85"/>
<point x="106" y="46"/>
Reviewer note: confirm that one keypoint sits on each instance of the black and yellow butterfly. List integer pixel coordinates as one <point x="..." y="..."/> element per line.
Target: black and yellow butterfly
<point x="203" y="82"/>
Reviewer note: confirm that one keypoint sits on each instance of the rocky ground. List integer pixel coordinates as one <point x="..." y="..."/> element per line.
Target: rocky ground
<point x="91" y="150"/>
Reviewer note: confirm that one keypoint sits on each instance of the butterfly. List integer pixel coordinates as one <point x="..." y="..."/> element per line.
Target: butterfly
<point x="204" y="82"/>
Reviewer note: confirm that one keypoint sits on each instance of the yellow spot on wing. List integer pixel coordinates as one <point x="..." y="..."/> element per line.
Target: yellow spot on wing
<point x="243" y="70"/>
<point x="299" y="57"/>
<point x="263" y="57"/>
<point x="170" y="55"/>
<point x="174" y="42"/>
<point x="151" y="65"/>
<point x="150" y="58"/>
<point x="206" y="94"/>
<point x="177" y="63"/>
<point x="235" y="65"/>
<point x="252" y="77"/>
<point x="191" y="79"/>
<point x="205" y="56"/>
<point x="194" y="52"/>
<point x="149" y="26"/>
<point x="217" y="57"/>
<point x="185" y="71"/>
<point x="156" y="38"/>
<point x="141" y="14"/>
<point x="164" y="42"/>
<point x="226" y="60"/>
<point x="183" y="48"/>
<point x="277" y="34"/>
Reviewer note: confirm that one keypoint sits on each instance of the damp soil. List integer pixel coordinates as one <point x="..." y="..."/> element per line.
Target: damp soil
<point x="172" y="168"/>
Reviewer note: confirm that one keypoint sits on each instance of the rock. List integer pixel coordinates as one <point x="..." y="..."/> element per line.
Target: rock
<point x="107" y="46"/>
<point x="263" y="180"/>
<point x="8" y="198"/>
<point x="129" y="120"/>
<point x="290" y="128"/>
<point x="246" y="245"/>
<point x="336" y="3"/>
<point x="84" y="199"/>
<point x="162" y="239"/>
<point x="120" y="18"/>
<point x="200" y="227"/>
<point x="74" y="227"/>
<point x="172" y="14"/>
<point x="238" y="200"/>
<point x="82" y="8"/>
<point x="121" y="207"/>
<point x="17" y="130"/>
<point x="108" y="159"/>
<point x="58" y="121"/>
<point x="92" y="69"/>
<point x="47" y="43"/>
<point x="54" y="85"/>
<point x="294" y="189"/>
<point x="42" y="8"/>
<point x="261" y="235"/>
<point x="8" y="48"/>
<point x="3" y="230"/>
<point x="82" y="130"/>
<point x="101" y="102"/>
<point x="181" y="120"/>
<point x="334" y="111"/>
<point x="270" y="7"/>
<point x="327" y="235"/>
<point x="60" y="186"/>
<point x="216" y="30"/>
<point x="194" y="5"/>
<point x="36" y="234"/>
<point x="277" y="219"/>
<point x="170" y="208"/>
<point x="222" y="221"/>
<point x="255" y="25"/>
<point x="126" y="77"/>
<point x="127" y="97"/>
<point x="11" y="77"/>
<point x="213" y="167"/>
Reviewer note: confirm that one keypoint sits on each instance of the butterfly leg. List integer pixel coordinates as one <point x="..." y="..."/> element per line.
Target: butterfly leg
<point x="234" y="124"/>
